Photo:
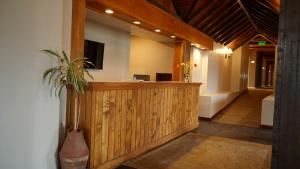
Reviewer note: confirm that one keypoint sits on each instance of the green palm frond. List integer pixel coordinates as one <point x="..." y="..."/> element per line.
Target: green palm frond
<point x="66" y="72"/>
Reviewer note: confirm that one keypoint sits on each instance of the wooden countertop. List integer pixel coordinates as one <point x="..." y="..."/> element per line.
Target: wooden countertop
<point x="138" y="84"/>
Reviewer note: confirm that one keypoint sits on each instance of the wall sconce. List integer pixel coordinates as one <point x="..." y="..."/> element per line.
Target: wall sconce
<point x="226" y="51"/>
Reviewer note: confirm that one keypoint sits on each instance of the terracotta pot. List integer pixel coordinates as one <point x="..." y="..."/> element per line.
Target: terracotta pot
<point x="74" y="153"/>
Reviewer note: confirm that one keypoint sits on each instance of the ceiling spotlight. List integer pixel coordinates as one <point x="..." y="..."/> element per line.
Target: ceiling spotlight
<point x="137" y="22"/>
<point x="157" y="30"/>
<point x="173" y="36"/>
<point x="109" y="11"/>
<point x="202" y="48"/>
<point x="252" y="61"/>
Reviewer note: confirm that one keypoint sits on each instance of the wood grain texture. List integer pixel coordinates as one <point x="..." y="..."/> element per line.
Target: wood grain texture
<point x="78" y="25"/>
<point x="140" y="10"/>
<point x="122" y="123"/>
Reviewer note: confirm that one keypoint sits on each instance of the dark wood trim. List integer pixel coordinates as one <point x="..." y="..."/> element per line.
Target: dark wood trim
<point x="286" y="140"/>
<point x="199" y="11"/>
<point x="204" y="118"/>
<point x="220" y="24"/>
<point x="266" y="126"/>
<point x="194" y="4"/>
<point x="214" y="14"/>
<point x="246" y="12"/>
<point x="232" y="35"/>
<point x="230" y="26"/>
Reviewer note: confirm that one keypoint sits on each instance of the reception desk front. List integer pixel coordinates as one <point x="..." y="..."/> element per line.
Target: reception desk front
<point x="122" y="120"/>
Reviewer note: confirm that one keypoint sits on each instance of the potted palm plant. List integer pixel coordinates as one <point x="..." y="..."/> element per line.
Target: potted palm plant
<point x="74" y="152"/>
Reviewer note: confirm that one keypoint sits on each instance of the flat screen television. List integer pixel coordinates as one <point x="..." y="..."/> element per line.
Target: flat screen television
<point x="163" y="76"/>
<point x="94" y="51"/>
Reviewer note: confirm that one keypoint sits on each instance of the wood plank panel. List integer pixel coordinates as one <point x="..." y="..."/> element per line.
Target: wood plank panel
<point x="120" y="124"/>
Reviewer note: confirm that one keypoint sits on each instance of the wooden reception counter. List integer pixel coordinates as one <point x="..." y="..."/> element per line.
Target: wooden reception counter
<point x="122" y="120"/>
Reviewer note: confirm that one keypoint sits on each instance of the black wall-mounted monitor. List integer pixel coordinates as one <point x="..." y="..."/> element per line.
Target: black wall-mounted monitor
<point x="94" y="52"/>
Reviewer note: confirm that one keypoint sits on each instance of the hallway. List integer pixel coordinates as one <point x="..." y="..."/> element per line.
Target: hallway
<point x="246" y="110"/>
<point x="233" y="140"/>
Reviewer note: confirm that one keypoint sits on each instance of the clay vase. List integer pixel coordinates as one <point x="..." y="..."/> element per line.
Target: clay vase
<point x="74" y="153"/>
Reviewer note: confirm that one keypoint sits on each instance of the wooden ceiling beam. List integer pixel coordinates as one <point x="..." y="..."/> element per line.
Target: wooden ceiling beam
<point x="225" y="20"/>
<point x="194" y="15"/>
<point x="262" y="23"/>
<point x="229" y="27"/>
<point x="194" y="4"/>
<point x="240" y="34"/>
<point x="214" y="13"/>
<point x="246" y="12"/>
<point x="275" y="41"/>
<point x="241" y="41"/>
<point x="227" y="34"/>
<point x="256" y="6"/>
<point x="239" y="38"/>
<point x="235" y="32"/>
<point x="152" y="18"/>
<point x="256" y="12"/>
<point x="228" y="12"/>
<point x="266" y="6"/>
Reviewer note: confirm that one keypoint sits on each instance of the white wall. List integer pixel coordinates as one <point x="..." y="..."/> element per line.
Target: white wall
<point x="29" y="117"/>
<point x="116" y="51"/>
<point x="239" y="73"/>
<point x="223" y="78"/>
<point x="149" y="57"/>
<point x="252" y="69"/>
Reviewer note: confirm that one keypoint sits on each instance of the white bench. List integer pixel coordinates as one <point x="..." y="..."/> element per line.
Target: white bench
<point x="211" y="104"/>
<point x="267" y="111"/>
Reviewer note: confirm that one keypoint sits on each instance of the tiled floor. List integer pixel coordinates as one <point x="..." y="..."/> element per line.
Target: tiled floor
<point x="246" y="110"/>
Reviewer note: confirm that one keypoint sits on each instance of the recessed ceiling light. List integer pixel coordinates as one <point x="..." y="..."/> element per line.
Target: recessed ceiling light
<point x="137" y="22"/>
<point x="157" y="30"/>
<point x="202" y="48"/>
<point x="173" y="36"/>
<point x="109" y="11"/>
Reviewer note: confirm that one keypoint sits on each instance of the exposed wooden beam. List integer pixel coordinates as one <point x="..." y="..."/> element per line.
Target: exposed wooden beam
<point x="193" y="6"/>
<point x="257" y="9"/>
<point x="242" y="41"/>
<point x="246" y="12"/>
<point x="266" y="6"/>
<point x="255" y="12"/>
<point x="268" y="38"/>
<point x="240" y="28"/>
<point x="235" y="32"/>
<point x="265" y="22"/>
<point x="195" y="15"/>
<point x="216" y="12"/>
<point x="230" y="26"/>
<point x="211" y="28"/>
<point x="78" y="25"/>
<point x="159" y="19"/>
<point x="237" y="36"/>
<point x="228" y="12"/>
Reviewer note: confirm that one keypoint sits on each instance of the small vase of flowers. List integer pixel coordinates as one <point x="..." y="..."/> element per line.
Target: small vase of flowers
<point x="186" y="71"/>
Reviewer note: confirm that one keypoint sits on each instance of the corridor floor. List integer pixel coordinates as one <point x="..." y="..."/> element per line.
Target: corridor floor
<point x="211" y="146"/>
<point x="246" y="110"/>
<point x="231" y="141"/>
